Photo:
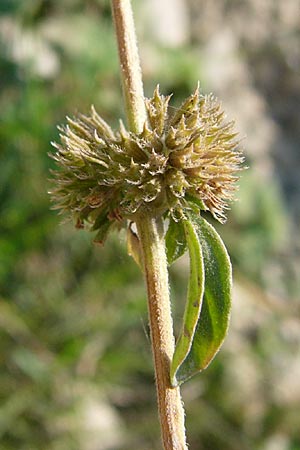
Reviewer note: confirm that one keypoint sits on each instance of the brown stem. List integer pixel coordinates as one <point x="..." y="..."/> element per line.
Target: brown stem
<point x="170" y="406"/>
<point x="130" y="65"/>
<point x="151" y="237"/>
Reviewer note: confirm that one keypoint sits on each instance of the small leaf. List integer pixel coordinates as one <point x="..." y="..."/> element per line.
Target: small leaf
<point x="194" y="301"/>
<point x="103" y="231"/>
<point x="176" y="244"/>
<point x="134" y="248"/>
<point x="99" y="220"/>
<point x="213" y="322"/>
<point x="195" y="202"/>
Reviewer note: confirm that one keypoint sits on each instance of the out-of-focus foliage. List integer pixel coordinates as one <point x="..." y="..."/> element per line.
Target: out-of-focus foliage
<point x="75" y="361"/>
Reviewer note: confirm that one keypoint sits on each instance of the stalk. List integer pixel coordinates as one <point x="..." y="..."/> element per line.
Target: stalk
<point x="151" y="236"/>
<point x="170" y="406"/>
<point x="131" y="74"/>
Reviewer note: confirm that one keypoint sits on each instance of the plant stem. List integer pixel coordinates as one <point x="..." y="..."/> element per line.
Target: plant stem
<point x="131" y="74"/>
<point x="152" y="243"/>
<point x="151" y="235"/>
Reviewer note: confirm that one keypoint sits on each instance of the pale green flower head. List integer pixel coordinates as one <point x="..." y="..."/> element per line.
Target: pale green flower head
<point x="184" y="158"/>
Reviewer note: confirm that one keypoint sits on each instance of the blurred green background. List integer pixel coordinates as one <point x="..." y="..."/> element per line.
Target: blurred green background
<point x="75" y="363"/>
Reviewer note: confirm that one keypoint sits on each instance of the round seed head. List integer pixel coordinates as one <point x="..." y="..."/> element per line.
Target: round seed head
<point x="186" y="157"/>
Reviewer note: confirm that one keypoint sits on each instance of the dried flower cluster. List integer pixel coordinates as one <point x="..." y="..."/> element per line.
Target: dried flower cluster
<point x="105" y="177"/>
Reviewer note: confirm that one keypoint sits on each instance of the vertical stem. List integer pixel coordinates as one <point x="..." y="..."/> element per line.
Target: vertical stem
<point x="170" y="406"/>
<point x="130" y="65"/>
<point x="152" y="243"/>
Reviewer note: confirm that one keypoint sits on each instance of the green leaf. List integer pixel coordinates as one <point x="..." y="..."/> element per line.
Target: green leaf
<point x="102" y="224"/>
<point x="194" y="301"/>
<point x="103" y="231"/>
<point x="195" y="202"/>
<point x="213" y="321"/>
<point x="176" y="244"/>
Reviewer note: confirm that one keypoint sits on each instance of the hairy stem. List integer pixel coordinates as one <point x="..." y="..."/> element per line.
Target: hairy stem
<point x="152" y="243"/>
<point x="130" y="64"/>
<point x="170" y="406"/>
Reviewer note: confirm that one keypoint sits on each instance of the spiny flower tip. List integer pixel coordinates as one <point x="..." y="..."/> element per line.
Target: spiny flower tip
<point x="188" y="157"/>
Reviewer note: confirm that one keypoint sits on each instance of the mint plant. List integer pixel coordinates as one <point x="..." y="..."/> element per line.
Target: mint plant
<point x="163" y="168"/>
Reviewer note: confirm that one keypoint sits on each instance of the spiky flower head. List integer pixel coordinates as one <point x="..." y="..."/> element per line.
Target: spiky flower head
<point x="184" y="159"/>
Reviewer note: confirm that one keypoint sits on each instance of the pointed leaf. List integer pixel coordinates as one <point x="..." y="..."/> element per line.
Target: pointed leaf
<point x="194" y="301"/>
<point x="103" y="231"/>
<point x="213" y="322"/>
<point x="134" y="248"/>
<point x="195" y="202"/>
<point x="175" y="241"/>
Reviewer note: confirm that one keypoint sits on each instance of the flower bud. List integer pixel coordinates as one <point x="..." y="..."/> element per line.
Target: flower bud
<point x="190" y="156"/>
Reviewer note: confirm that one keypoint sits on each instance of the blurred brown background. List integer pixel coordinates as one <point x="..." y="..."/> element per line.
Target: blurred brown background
<point x="75" y="363"/>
